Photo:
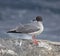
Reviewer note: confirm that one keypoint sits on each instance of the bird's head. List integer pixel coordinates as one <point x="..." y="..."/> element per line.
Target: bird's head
<point x="38" y="18"/>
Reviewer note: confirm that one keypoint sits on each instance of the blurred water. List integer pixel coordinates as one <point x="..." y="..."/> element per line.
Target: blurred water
<point x="13" y="12"/>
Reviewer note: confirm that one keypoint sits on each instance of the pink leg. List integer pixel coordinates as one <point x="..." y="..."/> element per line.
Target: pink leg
<point x="34" y="40"/>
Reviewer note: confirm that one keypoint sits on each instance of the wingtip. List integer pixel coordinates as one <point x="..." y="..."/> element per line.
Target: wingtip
<point x="11" y="31"/>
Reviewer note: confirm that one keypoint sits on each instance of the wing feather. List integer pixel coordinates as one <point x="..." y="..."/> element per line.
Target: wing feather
<point x="27" y="29"/>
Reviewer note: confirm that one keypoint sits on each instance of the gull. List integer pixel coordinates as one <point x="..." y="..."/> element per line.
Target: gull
<point x="34" y="28"/>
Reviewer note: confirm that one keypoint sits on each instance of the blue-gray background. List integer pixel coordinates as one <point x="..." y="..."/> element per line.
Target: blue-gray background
<point x="12" y="12"/>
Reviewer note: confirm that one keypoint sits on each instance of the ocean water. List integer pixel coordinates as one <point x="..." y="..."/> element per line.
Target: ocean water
<point x="14" y="12"/>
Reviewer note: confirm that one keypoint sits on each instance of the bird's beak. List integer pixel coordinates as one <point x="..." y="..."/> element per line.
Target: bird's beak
<point x="34" y="19"/>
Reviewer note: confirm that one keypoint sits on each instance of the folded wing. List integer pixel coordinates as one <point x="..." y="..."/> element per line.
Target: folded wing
<point x="25" y="29"/>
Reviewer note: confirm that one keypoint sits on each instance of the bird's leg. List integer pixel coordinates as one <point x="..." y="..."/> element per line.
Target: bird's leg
<point x="34" y="40"/>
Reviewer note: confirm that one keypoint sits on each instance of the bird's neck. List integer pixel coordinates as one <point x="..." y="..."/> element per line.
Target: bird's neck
<point x="40" y="25"/>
